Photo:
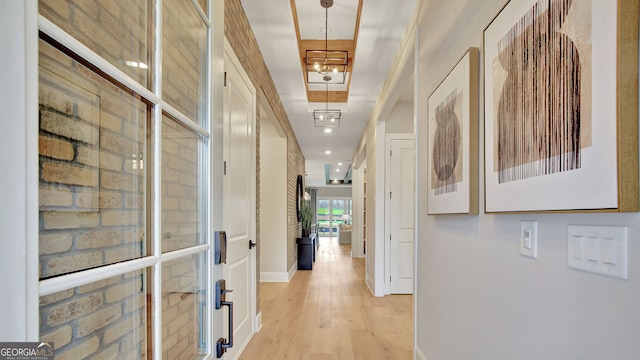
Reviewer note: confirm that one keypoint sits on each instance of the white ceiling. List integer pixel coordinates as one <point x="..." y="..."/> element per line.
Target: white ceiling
<point x="382" y="26"/>
<point x="342" y="19"/>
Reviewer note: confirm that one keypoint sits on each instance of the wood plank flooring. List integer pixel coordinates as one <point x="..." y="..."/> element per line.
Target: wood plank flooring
<point x="329" y="313"/>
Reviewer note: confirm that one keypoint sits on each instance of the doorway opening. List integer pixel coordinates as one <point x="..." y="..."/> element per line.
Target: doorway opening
<point x="333" y="215"/>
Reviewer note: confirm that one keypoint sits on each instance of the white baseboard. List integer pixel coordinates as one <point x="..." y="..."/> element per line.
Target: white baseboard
<point x="259" y="322"/>
<point x="274" y="276"/>
<point x="266" y="276"/>
<point x="369" y="283"/>
<point x="419" y="354"/>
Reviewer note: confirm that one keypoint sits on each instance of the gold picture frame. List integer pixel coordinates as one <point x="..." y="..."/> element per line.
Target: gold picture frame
<point x="561" y="102"/>
<point x="452" y="180"/>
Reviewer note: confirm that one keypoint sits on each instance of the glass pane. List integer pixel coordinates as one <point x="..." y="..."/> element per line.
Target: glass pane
<point x="184" y="55"/>
<point x="102" y="320"/>
<point x="337" y="212"/>
<point x="92" y="179"/>
<point x="204" y="6"/>
<point x="347" y="216"/>
<point x="182" y="195"/>
<point x="184" y="308"/>
<point x="323" y="217"/>
<point x="118" y="30"/>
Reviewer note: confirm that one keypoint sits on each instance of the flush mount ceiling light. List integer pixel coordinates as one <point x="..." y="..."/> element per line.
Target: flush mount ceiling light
<point x="326" y="66"/>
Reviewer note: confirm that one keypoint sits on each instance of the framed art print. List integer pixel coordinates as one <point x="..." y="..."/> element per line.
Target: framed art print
<point x="452" y="177"/>
<point x="561" y="106"/>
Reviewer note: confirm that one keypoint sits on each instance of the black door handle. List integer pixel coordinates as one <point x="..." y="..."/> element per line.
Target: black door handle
<point x="252" y="244"/>
<point x="222" y="345"/>
<point x="221" y="300"/>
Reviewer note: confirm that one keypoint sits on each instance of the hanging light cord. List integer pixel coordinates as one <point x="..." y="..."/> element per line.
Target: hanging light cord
<point x="326" y="49"/>
<point x="326" y="34"/>
<point x="327" y="98"/>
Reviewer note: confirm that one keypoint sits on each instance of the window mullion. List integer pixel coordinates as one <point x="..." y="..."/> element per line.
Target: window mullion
<point x="64" y="282"/>
<point x="156" y="323"/>
<point x="182" y="119"/>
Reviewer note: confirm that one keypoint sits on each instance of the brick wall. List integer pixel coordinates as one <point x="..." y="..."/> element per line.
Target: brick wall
<point x="183" y="84"/>
<point x="117" y="30"/>
<point x="242" y="40"/>
<point x="184" y="39"/>
<point x="91" y="209"/>
<point x="94" y="172"/>
<point x="95" y="180"/>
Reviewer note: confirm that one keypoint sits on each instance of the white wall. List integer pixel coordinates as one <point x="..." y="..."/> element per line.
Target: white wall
<point x="358" y="212"/>
<point x="373" y="270"/>
<point x="477" y="298"/>
<point x="273" y="217"/>
<point x="376" y="222"/>
<point x="371" y="149"/>
<point x="400" y="120"/>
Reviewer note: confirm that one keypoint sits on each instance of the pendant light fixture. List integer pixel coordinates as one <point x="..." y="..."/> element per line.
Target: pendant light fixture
<point x="326" y="66"/>
<point x="326" y="117"/>
<point x="329" y="69"/>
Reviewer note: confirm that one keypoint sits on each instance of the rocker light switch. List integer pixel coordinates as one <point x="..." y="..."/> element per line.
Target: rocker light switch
<point x="526" y="241"/>
<point x="529" y="238"/>
<point x="608" y="251"/>
<point x="591" y="248"/>
<point x="576" y="247"/>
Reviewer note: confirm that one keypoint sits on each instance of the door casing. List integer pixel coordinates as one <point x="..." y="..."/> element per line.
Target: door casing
<point x="387" y="207"/>
<point x="239" y="242"/>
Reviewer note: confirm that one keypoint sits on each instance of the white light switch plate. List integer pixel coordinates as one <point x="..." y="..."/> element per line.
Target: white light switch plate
<point x="598" y="249"/>
<point x="529" y="238"/>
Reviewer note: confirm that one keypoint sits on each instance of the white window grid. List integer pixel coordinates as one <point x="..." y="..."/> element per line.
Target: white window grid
<point x="157" y="258"/>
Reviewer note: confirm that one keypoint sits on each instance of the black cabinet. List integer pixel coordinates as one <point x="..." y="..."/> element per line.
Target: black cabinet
<point x="306" y="252"/>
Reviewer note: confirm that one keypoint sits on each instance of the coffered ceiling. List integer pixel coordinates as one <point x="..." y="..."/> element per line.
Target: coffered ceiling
<point x="370" y="30"/>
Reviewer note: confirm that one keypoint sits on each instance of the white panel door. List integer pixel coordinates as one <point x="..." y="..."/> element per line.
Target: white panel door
<point x="401" y="215"/>
<point x="239" y="200"/>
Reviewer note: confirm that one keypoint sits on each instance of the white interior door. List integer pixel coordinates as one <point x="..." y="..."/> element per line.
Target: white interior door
<point x="402" y="215"/>
<point x="239" y="199"/>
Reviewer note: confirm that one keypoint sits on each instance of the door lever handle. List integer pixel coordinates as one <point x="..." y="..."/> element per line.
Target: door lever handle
<point x="252" y="244"/>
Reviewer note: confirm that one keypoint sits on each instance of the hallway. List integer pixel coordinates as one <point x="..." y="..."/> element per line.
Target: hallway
<point x="329" y="313"/>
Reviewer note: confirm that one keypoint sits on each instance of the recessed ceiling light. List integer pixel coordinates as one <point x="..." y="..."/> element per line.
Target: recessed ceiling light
<point x="328" y="131"/>
<point x="327" y="152"/>
<point x="337" y="170"/>
<point x="339" y="164"/>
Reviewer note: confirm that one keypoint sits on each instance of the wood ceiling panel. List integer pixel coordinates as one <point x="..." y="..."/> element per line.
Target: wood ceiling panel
<point x="334" y="96"/>
<point x="341" y="44"/>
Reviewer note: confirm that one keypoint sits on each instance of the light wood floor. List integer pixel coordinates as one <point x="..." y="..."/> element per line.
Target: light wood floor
<point x="329" y="313"/>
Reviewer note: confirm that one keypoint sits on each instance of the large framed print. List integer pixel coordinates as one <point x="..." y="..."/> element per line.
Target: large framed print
<point x="561" y="106"/>
<point x="452" y="179"/>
